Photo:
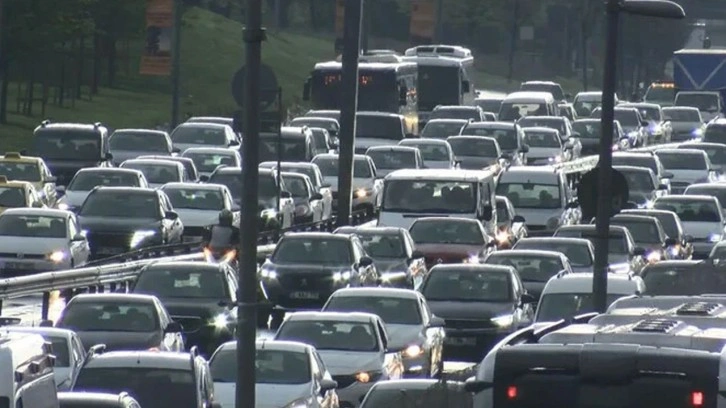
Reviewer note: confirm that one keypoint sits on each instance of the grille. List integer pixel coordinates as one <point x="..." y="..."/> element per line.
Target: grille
<point x="194" y="231"/>
<point x="20" y="256"/>
<point x="360" y="150"/>
<point x="189" y="324"/>
<point x="589" y="150"/>
<point x="109" y="240"/>
<point x="304" y="282"/>
<point x="467" y="324"/>
<point x="443" y="259"/>
<point x="536" y="227"/>
<point x="681" y="136"/>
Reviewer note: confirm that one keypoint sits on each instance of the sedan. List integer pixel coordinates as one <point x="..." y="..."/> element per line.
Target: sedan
<point x="412" y="328"/>
<point x="510" y="226"/>
<point x="126" y="144"/>
<point x="686" y="123"/>
<point x="643" y="185"/>
<point x="391" y="158"/>
<point x="688" y="166"/>
<point x="716" y="153"/>
<point x="580" y="252"/>
<point x="659" y="128"/>
<point x="207" y="159"/>
<point x="308" y="202"/>
<point x="436" y="153"/>
<point x="702" y="217"/>
<point x="475" y="152"/>
<point x="157" y="172"/>
<point x="191" y="134"/>
<point x="418" y="394"/>
<point x="199" y="205"/>
<point x="647" y="233"/>
<point x="451" y="240"/>
<point x="316" y="178"/>
<point x="673" y="228"/>
<point x="545" y="146"/>
<point x="623" y="255"/>
<point x="534" y="267"/>
<point x="717" y="190"/>
<point x="85" y="180"/>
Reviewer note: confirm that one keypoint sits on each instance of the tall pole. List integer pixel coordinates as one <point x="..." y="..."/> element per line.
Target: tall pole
<point x="604" y="208"/>
<point x="253" y="35"/>
<point x="175" y="63"/>
<point x="349" y="105"/>
<point x="366" y="30"/>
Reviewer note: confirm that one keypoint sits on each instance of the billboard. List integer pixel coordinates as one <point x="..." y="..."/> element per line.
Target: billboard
<point x="156" y="57"/>
<point x="422" y="27"/>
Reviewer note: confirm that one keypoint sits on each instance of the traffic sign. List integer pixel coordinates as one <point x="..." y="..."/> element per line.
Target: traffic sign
<point x="268" y="86"/>
<point x="587" y="193"/>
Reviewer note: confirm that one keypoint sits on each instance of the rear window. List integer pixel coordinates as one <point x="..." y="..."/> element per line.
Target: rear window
<point x="687" y="281"/>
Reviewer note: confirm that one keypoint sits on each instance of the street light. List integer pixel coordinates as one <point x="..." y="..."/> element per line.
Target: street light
<point x="649" y="8"/>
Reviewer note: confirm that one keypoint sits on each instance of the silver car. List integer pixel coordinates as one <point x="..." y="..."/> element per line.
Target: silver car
<point x="436" y="153"/>
<point x="85" y="180"/>
<point x="391" y="158"/>
<point x="207" y="159"/>
<point x="545" y="146"/>
<point x="199" y="205"/>
<point x="475" y="152"/>
<point x="688" y="166"/>
<point x="126" y="144"/>
<point x="367" y="188"/>
<point x="199" y="134"/>
<point x="157" y="172"/>
<point x="316" y="177"/>
<point x="701" y="217"/>
<point x="288" y="374"/>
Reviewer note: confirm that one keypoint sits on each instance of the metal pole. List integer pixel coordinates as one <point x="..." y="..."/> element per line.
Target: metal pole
<point x="176" y="63"/>
<point x="604" y="208"/>
<point x="366" y="30"/>
<point x="349" y="97"/>
<point x="279" y="148"/>
<point x="253" y="35"/>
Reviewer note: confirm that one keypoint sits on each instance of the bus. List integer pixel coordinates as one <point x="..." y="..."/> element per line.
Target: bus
<point x="382" y="87"/>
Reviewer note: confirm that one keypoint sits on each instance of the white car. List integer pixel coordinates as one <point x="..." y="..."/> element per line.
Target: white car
<point x="157" y="172"/>
<point x="207" y="159"/>
<point x="366" y="187"/>
<point x="199" y="205"/>
<point x="40" y="240"/>
<point x="85" y="180"/>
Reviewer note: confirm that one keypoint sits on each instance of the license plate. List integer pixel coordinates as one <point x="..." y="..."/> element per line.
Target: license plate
<point x="109" y="251"/>
<point x="305" y="295"/>
<point x="18" y="265"/>
<point x="461" y="341"/>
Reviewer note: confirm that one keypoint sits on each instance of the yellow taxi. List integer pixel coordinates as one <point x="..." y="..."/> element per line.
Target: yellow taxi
<point x="18" y="194"/>
<point x="17" y="167"/>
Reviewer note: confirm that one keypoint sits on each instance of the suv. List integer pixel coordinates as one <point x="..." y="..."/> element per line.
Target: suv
<point x="178" y="378"/>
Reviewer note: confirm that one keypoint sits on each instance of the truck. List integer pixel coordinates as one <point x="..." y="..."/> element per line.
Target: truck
<point x="700" y="80"/>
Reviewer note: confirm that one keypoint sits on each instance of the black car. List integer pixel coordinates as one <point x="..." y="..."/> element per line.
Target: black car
<point x="480" y="304"/>
<point x="69" y="147"/>
<point x="648" y="233"/>
<point x="307" y="267"/>
<point x="671" y="223"/>
<point x="122" y="321"/>
<point x="202" y="297"/>
<point x="121" y="219"/>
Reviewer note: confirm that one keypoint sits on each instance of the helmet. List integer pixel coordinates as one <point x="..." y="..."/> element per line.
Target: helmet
<point x="225" y="217"/>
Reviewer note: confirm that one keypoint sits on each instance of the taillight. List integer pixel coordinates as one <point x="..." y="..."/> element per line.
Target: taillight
<point x="511" y="392"/>
<point x="697" y="398"/>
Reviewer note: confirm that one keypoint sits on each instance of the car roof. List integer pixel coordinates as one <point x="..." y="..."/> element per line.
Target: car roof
<point x="349" y="229"/>
<point x="633" y="169"/>
<point x="140" y="130"/>
<point x="439" y="174"/>
<point x="540" y="129"/>
<point x="391" y="148"/>
<point x="195" y="186"/>
<point x="681" y="151"/>
<point x="415" y="384"/>
<point x="377" y="292"/>
<point x="272" y="345"/>
<point x="714" y="186"/>
<point x="43" y="331"/>
<point x="358" y="317"/>
<point x="563" y="240"/>
<point x="581" y="282"/>
<point x="648" y="210"/>
<point x="528" y="95"/>
<point x="203" y="125"/>
<point x="114" y="297"/>
<point x="448" y="120"/>
<point x="185" y="265"/>
<point x="160" y="162"/>
<point x="326" y="235"/>
<point x="91" y="397"/>
<point x="543" y="117"/>
<point x="218" y="150"/>
<point x="315" y="118"/>
<point x="526" y="252"/>
<point x="108" y="170"/>
<point x="446" y="219"/>
<point x="587" y="227"/>
<point x="38" y="212"/>
<point x="134" y="190"/>
<point x="491" y="125"/>
<point x="472" y="268"/>
<point x="423" y="140"/>
<point x="634" y="218"/>
<point x="694" y="197"/>
<point x="147" y="359"/>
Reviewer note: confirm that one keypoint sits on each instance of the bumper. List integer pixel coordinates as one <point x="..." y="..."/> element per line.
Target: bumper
<point x="352" y="395"/>
<point x="28" y="265"/>
<point x="471" y="344"/>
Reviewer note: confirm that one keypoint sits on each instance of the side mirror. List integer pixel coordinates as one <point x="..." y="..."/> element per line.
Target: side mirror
<point x="306" y="90"/>
<point x="662" y="187"/>
<point x="60" y="189"/>
<point x="172" y="215"/>
<point x="173" y="327"/>
<point x="204" y="179"/>
<point x="688" y="238"/>
<point x="667" y="175"/>
<point x="175" y="150"/>
<point x="108" y="156"/>
<point x="403" y="96"/>
<point x="78" y="237"/>
<point x="285" y="194"/>
<point x="518" y="219"/>
<point x="365" y="262"/>
<point x="328" y="385"/>
<point x="528" y="298"/>
<point x="644" y="123"/>
<point x="573" y="204"/>
<point x="437" y="322"/>
<point x="525" y="149"/>
<point x="235" y="207"/>
<point x="670" y="242"/>
<point x="465" y="86"/>
<point x="316" y="196"/>
<point x="487" y="212"/>
<point x="639" y="251"/>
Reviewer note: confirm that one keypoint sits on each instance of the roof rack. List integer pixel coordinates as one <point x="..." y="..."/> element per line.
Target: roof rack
<point x="655" y="326"/>
<point x="698" y="309"/>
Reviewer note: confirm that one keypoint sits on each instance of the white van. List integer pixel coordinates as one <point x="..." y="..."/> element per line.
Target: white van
<point x="410" y="194"/>
<point x="520" y="104"/>
<point x="26" y="372"/>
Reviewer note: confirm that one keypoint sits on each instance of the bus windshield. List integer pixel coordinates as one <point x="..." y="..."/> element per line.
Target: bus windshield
<point x="438" y="85"/>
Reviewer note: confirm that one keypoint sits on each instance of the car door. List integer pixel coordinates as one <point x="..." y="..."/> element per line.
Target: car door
<point x="377" y="183"/>
<point x="287" y="206"/>
<point x="79" y="250"/>
<point x="523" y="312"/>
<point x="330" y="398"/>
<point x="392" y="360"/>
<point x="78" y="356"/>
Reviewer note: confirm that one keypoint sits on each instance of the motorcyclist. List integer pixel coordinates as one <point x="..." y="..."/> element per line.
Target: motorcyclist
<point x="224" y="236"/>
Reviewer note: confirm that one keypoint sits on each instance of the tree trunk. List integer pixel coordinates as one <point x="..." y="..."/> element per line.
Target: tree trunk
<point x="96" y="77"/>
<point x="5" y="78"/>
<point x="80" y="65"/>
<point x="112" y="57"/>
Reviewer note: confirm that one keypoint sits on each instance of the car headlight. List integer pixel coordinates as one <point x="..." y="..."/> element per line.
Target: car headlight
<point x="63" y="206"/>
<point x="646" y="204"/>
<point x="140" y="236"/>
<point x="268" y="274"/>
<point x="363" y="192"/>
<point x="619" y="268"/>
<point x="674" y="250"/>
<point x="363" y="377"/>
<point x="299" y="403"/>
<point x="633" y="134"/>
<point x="502" y="236"/>
<point x="654" y="257"/>
<point x="268" y="213"/>
<point x="656" y="130"/>
<point x="57" y="256"/>
<point x="697" y="132"/>
<point x="413" y="351"/>
<point x="341" y="276"/>
<point x="714" y="237"/>
<point x="555" y="159"/>
<point x="302" y="210"/>
<point x="222" y="321"/>
<point x="503" y="321"/>
<point x="471" y="259"/>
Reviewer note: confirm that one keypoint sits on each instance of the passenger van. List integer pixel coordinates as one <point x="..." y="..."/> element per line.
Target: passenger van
<point x="411" y="194"/>
<point x="26" y="372"/>
<point x="520" y="104"/>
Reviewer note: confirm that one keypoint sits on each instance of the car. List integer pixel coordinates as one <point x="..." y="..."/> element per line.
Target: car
<point x="509" y="136"/>
<point x="367" y="188"/>
<point x="191" y="134"/>
<point x="412" y="329"/>
<point x="18" y="194"/>
<point x="40" y="240"/>
<point x="156" y="379"/>
<point x="287" y="375"/>
<point x="121" y="219"/>
<point x="451" y="240"/>
<point x="352" y="346"/>
<point x="322" y="141"/>
<point x="220" y="120"/>
<point x="686" y="123"/>
<point x="659" y="128"/>
<point x="623" y="255"/>
<point x="489" y="103"/>
<point x="96" y="400"/>
<point x="330" y="124"/>
<point x="308" y="202"/>
<point x="443" y="128"/>
<point x="70" y="355"/>
<point x="202" y="297"/>
<point x="420" y="393"/>
<point x="545" y="86"/>
<point x="589" y="130"/>
<point x="323" y="113"/>
<point x="644" y="159"/>
<point x="474" y="113"/>
<point x="476" y="152"/>
<point x="579" y="251"/>
<point x="585" y="102"/>
<point x="567" y="110"/>
<point x="648" y="233"/>
<point x="157" y="172"/>
<point x="717" y="190"/>
<point x="316" y="178"/>
<point x="121" y="321"/>
<point x="293" y="144"/>
<point x="534" y="267"/>
<point x="74" y="194"/>
<point x="436" y="153"/>
<point x="716" y="152"/>
<point x="510" y="226"/>
<point x="688" y="166"/>
<point x="673" y="229"/>
<point x="701" y="216"/>
<point x="393" y="252"/>
<point x="375" y="128"/>
<point x="391" y="158"/>
<point x="207" y="159"/>
<point x="17" y="167"/>
<point x="643" y="185"/>
<point x="127" y="144"/>
<point x="18" y="352"/>
<point x="559" y="123"/>
<point x="190" y="169"/>
<point x="633" y="124"/>
<point x="480" y="304"/>
<point x="546" y="147"/>
<point x="199" y="206"/>
<point x="682" y="278"/>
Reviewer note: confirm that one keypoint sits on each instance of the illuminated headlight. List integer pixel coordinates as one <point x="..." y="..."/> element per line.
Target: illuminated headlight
<point x="413" y="351"/>
<point x="646" y="204"/>
<point x="624" y="143"/>
<point x="697" y="132"/>
<point x="656" y="130"/>
<point x="654" y="257"/>
<point x="57" y="256"/>
<point x="620" y="268"/>
<point x="221" y="321"/>
<point x="268" y="274"/>
<point x="268" y="213"/>
<point x="471" y="259"/>
<point x="363" y="377"/>
<point x="502" y="237"/>
<point x="341" y="276"/>
<point x="633" y="134"/>
<point x="63" y="206"/>
<point x="556" y="159"/>
<point x="714" y="237"/>
<point x="674" y="250"/>
<point x="363" y="192"/>
<point x="503" y="321"/>
<point x="139" y="237"/>
<point x="302" y="210"/>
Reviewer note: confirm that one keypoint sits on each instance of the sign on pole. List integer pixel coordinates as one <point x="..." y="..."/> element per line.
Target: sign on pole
<point x="422" y="27"/>
<point x="339" y="25"/>
<point x="156" y="58"/>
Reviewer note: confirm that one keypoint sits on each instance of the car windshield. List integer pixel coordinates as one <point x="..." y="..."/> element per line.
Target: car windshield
<point x="431" y="196"/>
<point x="683" y="281"/>
<point x="578" y="254"/>
<point x="110" y="316"/>
<point x="639" y="180"/>
<point x="705" y="102"/>
<point x="393" y="160"/>
<point x="669" y="222"/>
<point x="322" y="251"/>
<point x="432" y="152"/>
<point x="182" y="282"/>
<point x="649" y="114"/>
<point x="382" y="245"/>
<point x="660" y="93"/>
<point x="507" y="138"/>
<point x="199" y="135"/>
<point x="328" y="125"/>
<point x="642" y="232"/>
<point x="466" y="146"/>
<point x="636" y="161"/>
<point x="682" y="161"/>
<point x="329" y="167"/>
<point x="550" y="123"/>
<point x="379" y="127"/>
<point x="12" y="197"/>
<point x="208" y="162"/>
<point x="617" y="244"/>
<point x="627" y="117"/>
<point x="715" y="133"/>
<point x="556" y="306"/>
<point x="461" y="113"/>
<point x="441" y="130"/>
<point x="155" y="173"/>
<point x="266" y="187"/>
<point x="489" y="105"/>
<point x="88" y="180"/>
<point x="531" y="268"/>
<point x="587" y="129"/>
<point x="32" y="226"/>
<point x="691" y="210"/>
<point x="330" y="334"/>
<point x="717" y="154"/>
<point x="467" y="286"/>
<point x="584" y="105"/>
<point x="681" y="115"/>
<point x="291" y="148"/>
<point x="122" y="204"/>
<point x="438" y="394"/>
<point x="517" y="110"/>
<point x="67" y="144"/>
<point x="139" y="142"/>
<point x="447" y="232"/>
<point x="20" y="171"/>
<point x="531" y="195"/>
<point x="281" y="367"/>
<point x="534" y="138"/>
<point x="151" y="387"/>
<point x="391" y="310"/>
<point x="296" y="186"/>
<point x="715" y="191"/>
<point x="195" y="199"/>
<point x="305" y="170"/>
<point x="554" y="89"/>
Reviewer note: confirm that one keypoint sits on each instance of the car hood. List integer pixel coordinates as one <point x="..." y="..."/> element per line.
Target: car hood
<point x="640" y="196"/>
<point x="470" y="310"/>
<point x="119" y="340"/>
<point x="543" y="152"/>
<point x="534" y="288"/>
<point x="341" y="362"/>
<point x="401" y="336"/>
<point x="117" y="224"/>
<point x="702" y="229"/>
<point x="388" y="265"/>
<point x="197" y="218"/>
<point x="203" y="308"/>
<point x="459" y="251"/>
<point x="362" y="143"/>
<point x="688" y="176"/>
<point x="267" y="395"/>
<point x="74" y="199"/>
<point x="33" y="245"/>
<point x="307" y="268"/>
<point x="475" y="162"/>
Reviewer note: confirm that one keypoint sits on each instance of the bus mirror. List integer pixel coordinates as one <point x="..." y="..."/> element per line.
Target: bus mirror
<point x="465" y="87"/>
<point x="306" y="90"/>
<point x="403" y="96"/>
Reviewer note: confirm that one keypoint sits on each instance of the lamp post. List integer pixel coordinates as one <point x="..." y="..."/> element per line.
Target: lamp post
<point x="649" y="8"/>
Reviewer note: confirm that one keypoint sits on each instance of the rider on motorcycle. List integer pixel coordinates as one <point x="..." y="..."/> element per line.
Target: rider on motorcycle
<point x="224" y="236"/>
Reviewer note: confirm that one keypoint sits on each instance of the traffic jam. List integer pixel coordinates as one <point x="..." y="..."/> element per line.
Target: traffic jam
<point x="476" y="250"/>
